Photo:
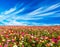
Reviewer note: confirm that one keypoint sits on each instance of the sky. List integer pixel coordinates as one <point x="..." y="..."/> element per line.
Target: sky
<point x="29" y="12"/>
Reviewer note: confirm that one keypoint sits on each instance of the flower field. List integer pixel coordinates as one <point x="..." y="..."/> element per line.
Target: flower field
<point x="30" y="36"/>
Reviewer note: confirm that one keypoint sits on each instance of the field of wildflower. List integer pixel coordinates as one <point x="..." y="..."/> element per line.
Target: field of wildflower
<point x="30" y="37"/>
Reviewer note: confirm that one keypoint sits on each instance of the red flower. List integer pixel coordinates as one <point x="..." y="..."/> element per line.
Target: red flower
<point x="33" y="44"/>
<point x="36" y="39"/>
<point x="11" y="45"/>
<point x="48" y="45"/>
<point x="7" y="36"/>
<point x="30" y="40"/>
<point x="58" y="37"/>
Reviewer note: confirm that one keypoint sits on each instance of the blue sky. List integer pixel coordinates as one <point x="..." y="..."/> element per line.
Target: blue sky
<point x="30" y="12"/>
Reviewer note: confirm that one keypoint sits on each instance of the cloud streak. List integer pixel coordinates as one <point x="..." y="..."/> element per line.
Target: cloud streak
<point x="9" y="11"/>
<point x="52" y="7"/>
<point x="12" y="16"/>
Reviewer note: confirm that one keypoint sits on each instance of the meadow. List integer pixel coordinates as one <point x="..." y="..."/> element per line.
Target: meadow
<point x="29" y="36"/>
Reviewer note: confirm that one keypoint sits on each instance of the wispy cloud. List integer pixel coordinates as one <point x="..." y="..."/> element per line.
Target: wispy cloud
<point x="9" y="11"/>
<point x="19" y="11"/>
<point x="37" y="11"/>
<point x="47" y="14"/>
<point x="51" y="7"/>
<point x="26" y="18"/>
<point x="13" y="10"/>
<point x="12" y="17"/>
<point x="41" y="11"/>
<point x="15" y="23"/>
<point x="43" y="24"/>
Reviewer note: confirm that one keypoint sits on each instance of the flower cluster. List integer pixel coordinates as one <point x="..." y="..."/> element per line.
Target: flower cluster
<point x="29" y="38"/>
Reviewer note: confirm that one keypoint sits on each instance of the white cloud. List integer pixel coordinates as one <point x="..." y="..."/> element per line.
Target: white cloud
<point x="51" y="7"/>
<point x="43" y="24"/>
<point x="12" y="9"/>
<point x="40" y="10"/>
<point x="50" y="24"/>
<point x="15" y="23"/>
<point x="26" y="18"/>
<point x="37" y="11"/>
<point x="2" y="17"/>
<point x="42" y="14"/>
<point x="18" y="11"/>
<point x="46" y="14"/>
<point x="12" y="17"/>
<point x="9" y="11"/>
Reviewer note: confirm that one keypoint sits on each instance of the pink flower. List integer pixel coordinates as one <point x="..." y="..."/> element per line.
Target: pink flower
<point x="54" y="40"/>
<point x="0" y="45"/>
<point x="22" y="33"/>
<point x="8" y="40"/>
<point x="22" y="45"/>
<point x="6" y="45"/>
<point x="42" y="37"/>
<point x="46" y="38"/>
<point x="13" y="40"/>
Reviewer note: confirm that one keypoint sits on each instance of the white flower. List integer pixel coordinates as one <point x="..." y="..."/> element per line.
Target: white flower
<point x="41" y="38"/>
<point x="51" y="44"/>
<point x="32" y="36"/>
<point x="21" y="43"/>
<point x="15" y="46"/>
